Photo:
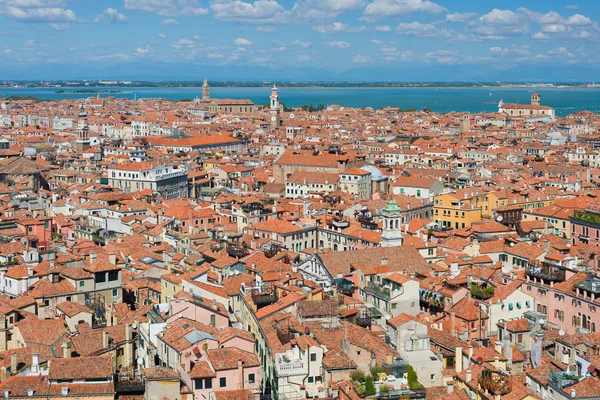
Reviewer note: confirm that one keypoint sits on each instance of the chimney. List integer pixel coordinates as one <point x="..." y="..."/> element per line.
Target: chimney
<point x="508" y="353"/>
<point x="389" y="358"/>
<point x="449" y="386"/>
<point x="373" y="360"/>
<point x="128" y="335"/>
<point x="4" y="374"/>
<point x="468" y="376"/>
<point x="35" y="363"/>
<point x="573" y="393"/>
<point x="112" y="259"/>
<point x="496" y="362"/>
<point x="452" y="323"/>
<point x="66" y="347"/>
<point x="458" y="359"/>
<point x="13" y="363"/>
<point x="30" y="271"/>
<point x="241" y="372"/>
<point x="92" y="258"/>
<point x="498" y="347"/>
<point x="105" y="340"/>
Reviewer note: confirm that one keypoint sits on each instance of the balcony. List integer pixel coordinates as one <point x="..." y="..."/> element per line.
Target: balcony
<point x="285" y="366"/>
<point x="562" y="379"/>
<point x="547" y="272"/>
<point x="378" y="291"/>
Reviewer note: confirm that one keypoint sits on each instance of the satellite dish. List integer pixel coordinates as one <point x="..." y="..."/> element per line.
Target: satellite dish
<point x="134" y="326"/>
<point x="561" y="333"/>
<point x="499" y="218"/>
<point x="542" y="321"/>
<point x="388" y="317"/>
<point x="140" y="361"/>
<point x="292" y="116"/>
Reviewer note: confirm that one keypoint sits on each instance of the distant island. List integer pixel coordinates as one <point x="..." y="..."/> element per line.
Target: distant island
<point x="87" y="91"/>
<point x="86" y="86"/>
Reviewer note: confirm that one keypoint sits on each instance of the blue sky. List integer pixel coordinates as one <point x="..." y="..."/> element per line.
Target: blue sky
<point x="486" y="37"/>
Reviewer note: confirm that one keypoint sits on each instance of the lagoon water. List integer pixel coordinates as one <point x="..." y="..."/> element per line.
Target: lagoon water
<point x="564" y="100"/>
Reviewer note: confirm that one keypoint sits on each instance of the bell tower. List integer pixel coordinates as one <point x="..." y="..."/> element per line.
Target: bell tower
<point x="275" y="111"/>
<point x="205" y="90"/>
<point x="535" y="99"/>
<point x="392" y="233"/>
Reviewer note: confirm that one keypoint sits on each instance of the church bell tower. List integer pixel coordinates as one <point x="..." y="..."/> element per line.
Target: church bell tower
<point x="205" y="90"/>
<point x="392" y="233"/>
<point x="275" y="110"/>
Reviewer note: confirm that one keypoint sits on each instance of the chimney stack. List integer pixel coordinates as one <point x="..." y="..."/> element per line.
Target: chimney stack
<point x="14" y="364"/>
<point x="449" y="386"/>
<point x="468" y="376"/>
<point x="112" y="259"/>
<point x="458" y="360"/>
<point x="35" y="363"/>
<point x="66" y="347"/>
<point x="496" y="362"/>
<point x="498" y="347"/>
<point x="105" y="339"/>
<point x="92" y="258"/>
<point x="128" y="335"/>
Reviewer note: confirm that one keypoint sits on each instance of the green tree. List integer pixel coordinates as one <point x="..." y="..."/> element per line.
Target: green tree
<point x="369" y="386"/>
<point x="413" y="379"/>
<point x="375" y="371"/>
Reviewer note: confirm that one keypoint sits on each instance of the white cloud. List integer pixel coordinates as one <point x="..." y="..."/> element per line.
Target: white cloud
<point x="242" y="42"/>
<point x="304" y="58"/>
<point x="360" y="59"/>
<point x="184" y="43"/>
<point x="375" y="42"/>
<point x="60" y="27"/>
<point x="554" y="28"/>
<point x="30" y="43"/>
<point x="53" y="14"/>
<point x="260" y="11"/>
<point x="111" y="16"/>
<point x="6" y="52"/>
<point x="540" y="36"/>
<point x="460" y="17"/>
<point x="386" y="8"/>
<point x="338" y="44"/>
<point x="167" y="8"/>
<point x="265" y="29"/>
<point x="169" y="21"/>
<point x="417" y="29"/>
<point x="572" y="6"/>
<point x="578" y="19"/>
<point x="383" y="28"/>
<point x="337" y="27"/>
<point x="140" y="51"/>
<point x="299" y="43"/>
<point x="550" y="18"/>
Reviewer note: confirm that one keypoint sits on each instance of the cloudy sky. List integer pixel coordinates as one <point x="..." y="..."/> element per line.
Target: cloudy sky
<point x="333" y="35"/>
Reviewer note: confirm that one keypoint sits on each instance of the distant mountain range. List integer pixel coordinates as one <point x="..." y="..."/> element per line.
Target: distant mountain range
<point x="153" y="71"/>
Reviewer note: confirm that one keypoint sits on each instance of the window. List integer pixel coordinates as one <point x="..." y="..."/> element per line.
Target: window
<point x="212" y="320"/>
<point x="115" y="292"/>
<point x="250" y="378"/>
<point x="208" y="383"/>
<point x="222" y="382"/>
<point x="113" y="275"/>
<point x="311" y="379"/>
<point x="313" y="357"/>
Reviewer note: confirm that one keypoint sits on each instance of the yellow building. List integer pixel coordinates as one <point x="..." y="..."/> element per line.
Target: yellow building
<point x="169" y="285"/>
<point x="455" y="211"/>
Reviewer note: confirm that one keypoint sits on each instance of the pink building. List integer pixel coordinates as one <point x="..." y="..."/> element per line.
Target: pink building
<point x="565" y="297"/>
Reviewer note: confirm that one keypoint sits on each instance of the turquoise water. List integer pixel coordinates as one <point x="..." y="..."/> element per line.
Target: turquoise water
<point x="564" y="100"/>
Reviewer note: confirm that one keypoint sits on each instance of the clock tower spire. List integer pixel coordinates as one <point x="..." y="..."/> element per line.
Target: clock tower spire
<point x="275" y="110"/>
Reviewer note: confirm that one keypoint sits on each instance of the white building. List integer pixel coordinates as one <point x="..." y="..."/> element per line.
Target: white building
<point x="169" y="181"/>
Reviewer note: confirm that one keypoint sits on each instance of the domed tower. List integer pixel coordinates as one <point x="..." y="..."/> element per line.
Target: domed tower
<point x="275" y="111"/>
<point x="205" y="90"/>
<point x="392" y="233"/>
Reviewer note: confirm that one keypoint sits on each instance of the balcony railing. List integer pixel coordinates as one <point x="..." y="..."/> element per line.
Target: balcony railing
<point x="562" y="378"/>
<point x="547" y="272"/>
<point x="378" y="291"/>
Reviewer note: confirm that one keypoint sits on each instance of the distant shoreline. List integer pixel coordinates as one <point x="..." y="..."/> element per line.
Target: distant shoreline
<point x="64" y="86"/>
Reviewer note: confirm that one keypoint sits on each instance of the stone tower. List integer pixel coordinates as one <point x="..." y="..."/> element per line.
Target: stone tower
<point x="82" y="117"/>
<point x="205" y="90"/>
<point x="535" y="99"/>
<point x="275" y="111"/>
<point x="465" y="123"/>
<point x="392" y="233"/>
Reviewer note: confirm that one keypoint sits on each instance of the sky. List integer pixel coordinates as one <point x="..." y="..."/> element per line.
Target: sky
<point x="453" y="40"/>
